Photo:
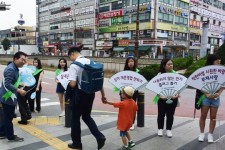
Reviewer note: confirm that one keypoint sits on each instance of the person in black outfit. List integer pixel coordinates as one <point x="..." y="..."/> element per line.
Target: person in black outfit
<point x="164" y="108"/>
<point x="38" y="88"/>
<point x="81" y="103"/>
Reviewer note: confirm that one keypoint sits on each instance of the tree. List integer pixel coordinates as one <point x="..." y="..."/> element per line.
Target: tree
<point x="6" y="44"/>
<point x="221" y="53"/>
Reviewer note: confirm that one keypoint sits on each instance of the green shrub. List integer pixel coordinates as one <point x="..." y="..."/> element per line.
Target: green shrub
<point x="152" y="70"/>
<point x="182" y="63"/>
<point x="198" y="64"/>
<point x="149" y="71"/>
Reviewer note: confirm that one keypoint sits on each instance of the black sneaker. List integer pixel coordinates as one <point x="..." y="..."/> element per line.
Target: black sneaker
<point x="2" y="136"/>
<point x="22" y="122"/>
<point x="131" y="144"/>
<point x="74" y="147"/>
<point x="16" y="139"/>
<point x="29" y="116"/>
<point x="101" y="142"/>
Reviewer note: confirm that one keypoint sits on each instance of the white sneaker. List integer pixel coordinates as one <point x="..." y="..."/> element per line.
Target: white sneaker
<point x="62" y="114"/>
<point x="210" y="138"/>
<point x="201" y="137"/>
<point x="160" y="132"/>
<point x="132" y="127"/>
<point x="169" y="133"/>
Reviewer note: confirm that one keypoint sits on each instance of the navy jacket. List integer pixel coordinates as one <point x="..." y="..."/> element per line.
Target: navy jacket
<point x="10" y="74"/>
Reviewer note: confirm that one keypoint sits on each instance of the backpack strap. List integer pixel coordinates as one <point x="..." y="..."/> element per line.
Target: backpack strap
<point x="78" y="64"/>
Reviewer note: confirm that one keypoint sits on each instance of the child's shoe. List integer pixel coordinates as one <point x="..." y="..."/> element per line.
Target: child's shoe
<point x="131" y="144"/>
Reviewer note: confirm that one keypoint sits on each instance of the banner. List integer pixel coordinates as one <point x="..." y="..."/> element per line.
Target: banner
<point x="63" y="78"/>
<point x="128" y="78"/>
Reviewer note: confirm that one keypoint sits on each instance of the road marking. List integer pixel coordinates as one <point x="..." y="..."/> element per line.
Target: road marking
<point x="45" y="82"/>
<point x="45" y="137"/>
<point x="45" y="99"/>
<point x="49" y="103"/>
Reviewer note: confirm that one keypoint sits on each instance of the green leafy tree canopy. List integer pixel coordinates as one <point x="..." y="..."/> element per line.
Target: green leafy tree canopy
<point x="6" y="44"/>
<point x="221" y="53"/>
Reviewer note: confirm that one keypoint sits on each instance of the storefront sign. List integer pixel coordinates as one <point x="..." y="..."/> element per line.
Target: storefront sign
<point x="104" y="43"/>
<point x="168" y="10"/>
<point x="216" y="28"/>
<point x="197" y="31"/>
<point x="88" y="41"/>
<point x="207" y="13"/>
<point x="142" y="9"/>
<point x="123" y="42"/>
<point x="116" y="20"/>
<point x="107" y="1"/>
<point x="127" y="35"/>
<point x="164" y="35"/>
<point x="171" y="27"/>
<point x="110" y="14"/>
<point x="125" y="27"/>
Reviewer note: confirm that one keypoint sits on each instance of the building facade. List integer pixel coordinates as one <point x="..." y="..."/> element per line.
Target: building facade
<point x="64" y="23"/>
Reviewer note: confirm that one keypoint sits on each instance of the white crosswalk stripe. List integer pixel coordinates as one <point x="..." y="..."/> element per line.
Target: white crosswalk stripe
<point x="45" y="102"/>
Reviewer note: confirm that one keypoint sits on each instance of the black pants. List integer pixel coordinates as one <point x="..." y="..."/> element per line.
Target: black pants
<point x="24" y="108"/>
<point x="82" y="107"/>
<point x="168" y="110"/>
<point x="38" y="101"/>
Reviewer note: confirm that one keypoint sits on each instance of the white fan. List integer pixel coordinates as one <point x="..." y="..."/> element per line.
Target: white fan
<point x="128" y="78"/>
<point x="167" y="85"/>
<point x="208" y="79"/>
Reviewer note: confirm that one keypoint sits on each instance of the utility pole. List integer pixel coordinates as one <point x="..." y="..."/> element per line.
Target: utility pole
<point x="137" y="35"/>
<point x="155" y="26"/>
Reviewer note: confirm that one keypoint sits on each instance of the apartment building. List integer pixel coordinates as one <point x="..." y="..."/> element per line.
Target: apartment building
<point x="63" y="23"/>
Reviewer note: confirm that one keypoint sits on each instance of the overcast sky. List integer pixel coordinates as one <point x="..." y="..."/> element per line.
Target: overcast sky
<point x="9" y="18"/>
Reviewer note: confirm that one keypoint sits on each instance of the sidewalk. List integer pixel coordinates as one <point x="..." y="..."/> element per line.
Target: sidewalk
<point x="49" y="133"/>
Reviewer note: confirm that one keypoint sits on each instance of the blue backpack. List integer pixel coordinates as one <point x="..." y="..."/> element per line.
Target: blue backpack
<point x="92" y="76"/>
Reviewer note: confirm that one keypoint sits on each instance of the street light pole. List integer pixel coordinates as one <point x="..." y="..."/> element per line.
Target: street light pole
<point x="137" y="35"/>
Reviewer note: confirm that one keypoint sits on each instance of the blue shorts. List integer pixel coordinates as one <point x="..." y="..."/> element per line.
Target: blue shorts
<point x="211" y="102"/>
<point x="60" y="89"/>
<point x="123" y="133"/>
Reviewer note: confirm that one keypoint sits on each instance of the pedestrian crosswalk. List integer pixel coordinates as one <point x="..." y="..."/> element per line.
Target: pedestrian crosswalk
<point x="48" y="102"/>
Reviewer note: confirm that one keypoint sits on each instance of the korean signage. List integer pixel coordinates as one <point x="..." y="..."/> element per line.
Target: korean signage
<point x="125" y="27"/>
<point x="107" y="1"/>
<point x="167" y="83"/>
<point x="171" y="27"/>
<point x="104" y="43"/>
<point x="117" y="20"/>
<point x="207" y="78"/>
<point x="168" y="10"/>
<point x="128" y="78"/>
<point x="110" y="14"/>
<point x="216" y="28"/>
<point x="207" y="13"/>
<point x="123" y="42"/>
<point x="194" y="30"/>
<point x="142" y="9"/>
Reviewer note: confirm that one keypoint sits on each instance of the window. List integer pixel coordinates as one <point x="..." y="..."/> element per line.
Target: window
<point x="125" y="19"/>
<point x="104" y="9"/>
<point x="117" y="5"/>
<point x="134" y="2"/>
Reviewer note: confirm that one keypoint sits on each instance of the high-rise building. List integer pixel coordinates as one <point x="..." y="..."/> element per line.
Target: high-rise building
<point x="64" y="23"/>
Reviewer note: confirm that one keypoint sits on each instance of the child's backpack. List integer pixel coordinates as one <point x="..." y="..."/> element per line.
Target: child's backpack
<point x="92" y="76"/>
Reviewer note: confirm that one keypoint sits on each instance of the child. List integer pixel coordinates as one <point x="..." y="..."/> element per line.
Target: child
<point x="127" y="111"/>
<point x="62" y="66"/>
